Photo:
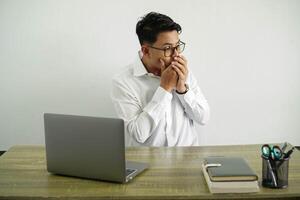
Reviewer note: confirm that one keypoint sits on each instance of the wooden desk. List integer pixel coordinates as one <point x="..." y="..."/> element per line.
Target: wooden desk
<point x="174" y="174"/>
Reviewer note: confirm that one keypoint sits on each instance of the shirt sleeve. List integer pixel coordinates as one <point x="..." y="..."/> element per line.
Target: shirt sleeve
<point x="194" y="103"/>
<point x="139" y="121"/>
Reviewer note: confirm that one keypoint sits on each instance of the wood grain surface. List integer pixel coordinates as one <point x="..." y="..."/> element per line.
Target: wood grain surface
<point x="174" y="173"/>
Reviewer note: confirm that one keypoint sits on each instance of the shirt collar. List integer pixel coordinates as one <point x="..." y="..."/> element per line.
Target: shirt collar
<point x="139" y="68"/>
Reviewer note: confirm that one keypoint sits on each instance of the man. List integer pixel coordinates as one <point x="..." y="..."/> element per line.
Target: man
<point x="157" y="96"/>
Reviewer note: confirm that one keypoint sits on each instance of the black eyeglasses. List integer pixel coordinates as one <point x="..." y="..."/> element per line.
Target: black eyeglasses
<point x="169" y="51"/>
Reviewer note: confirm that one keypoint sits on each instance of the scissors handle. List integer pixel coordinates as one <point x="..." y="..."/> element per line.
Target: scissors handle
<point x="277" y="152"/>
<point x="266" y="150"/>
<point x="274" y="153"/>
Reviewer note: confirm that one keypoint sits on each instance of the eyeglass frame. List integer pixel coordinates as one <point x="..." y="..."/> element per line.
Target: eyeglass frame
<point x="172" y="48"/>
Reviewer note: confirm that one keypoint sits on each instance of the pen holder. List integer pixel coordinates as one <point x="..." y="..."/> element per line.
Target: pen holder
<point x="275" y="173"/>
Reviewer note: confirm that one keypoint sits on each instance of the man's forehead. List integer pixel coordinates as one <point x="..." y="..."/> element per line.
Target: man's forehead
<point x="168" y="38"/>
<point x="171" y="43"/>
<point x="167" y="42"/>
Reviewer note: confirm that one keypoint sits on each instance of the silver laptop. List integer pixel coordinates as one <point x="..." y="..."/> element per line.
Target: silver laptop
<point x="88" y="147"/>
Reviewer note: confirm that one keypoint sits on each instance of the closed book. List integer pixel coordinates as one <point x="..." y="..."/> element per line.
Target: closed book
<point x="229" y="169"/>
<point x="229" y="186"/>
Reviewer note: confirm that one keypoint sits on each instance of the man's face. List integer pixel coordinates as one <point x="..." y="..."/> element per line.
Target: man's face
<point x="164" y="40"/>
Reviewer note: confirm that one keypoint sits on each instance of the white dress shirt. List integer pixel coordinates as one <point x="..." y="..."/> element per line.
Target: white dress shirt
<point x="154" y="116"/>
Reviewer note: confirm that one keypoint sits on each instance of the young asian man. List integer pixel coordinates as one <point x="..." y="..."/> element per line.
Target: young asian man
<point x="157" y="96"/>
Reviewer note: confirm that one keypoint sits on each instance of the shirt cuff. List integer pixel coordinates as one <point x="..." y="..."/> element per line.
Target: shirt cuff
<point x="187" y="98"/>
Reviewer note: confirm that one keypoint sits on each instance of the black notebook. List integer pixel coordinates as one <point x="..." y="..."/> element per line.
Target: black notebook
<point x="229" y="169"/>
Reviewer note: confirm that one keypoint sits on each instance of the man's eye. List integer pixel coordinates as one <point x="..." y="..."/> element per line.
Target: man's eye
<point x="167" y="48"/>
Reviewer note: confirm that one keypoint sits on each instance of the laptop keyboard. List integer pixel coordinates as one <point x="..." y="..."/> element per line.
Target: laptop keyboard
<point x="129" y="171"/>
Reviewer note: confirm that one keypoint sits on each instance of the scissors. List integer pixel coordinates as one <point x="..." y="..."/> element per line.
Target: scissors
<point x="271" y="152"/>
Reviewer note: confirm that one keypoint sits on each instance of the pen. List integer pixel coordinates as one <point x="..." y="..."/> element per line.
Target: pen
<point x="284" y="147"/>
<point x="288" y="154"/>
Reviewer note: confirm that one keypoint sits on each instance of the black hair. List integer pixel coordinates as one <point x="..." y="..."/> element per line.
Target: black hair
<point x="149" y="26"/>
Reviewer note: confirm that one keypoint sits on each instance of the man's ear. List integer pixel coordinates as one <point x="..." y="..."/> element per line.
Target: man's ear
<point x="145" y="50"/>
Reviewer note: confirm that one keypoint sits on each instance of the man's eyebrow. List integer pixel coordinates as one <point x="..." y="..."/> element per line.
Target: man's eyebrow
<point x="170" y="43"/>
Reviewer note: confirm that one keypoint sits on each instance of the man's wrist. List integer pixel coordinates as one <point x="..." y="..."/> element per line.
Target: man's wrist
<point x="169" y="89"/>
<point x="183" y="90"/>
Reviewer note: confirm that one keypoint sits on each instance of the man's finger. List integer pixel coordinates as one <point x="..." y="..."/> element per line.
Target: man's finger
<point x="182" y="56"/>
<point x="180" y="66"/>
<point x="180" y="60"/>
<point x="179" y="72"/>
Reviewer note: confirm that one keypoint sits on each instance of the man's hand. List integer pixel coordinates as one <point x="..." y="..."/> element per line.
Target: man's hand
<point x="180" y="66"/>
<point x="169" y="77"/>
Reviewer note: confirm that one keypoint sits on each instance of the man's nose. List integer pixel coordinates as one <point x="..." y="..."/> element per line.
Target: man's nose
<point x="175" y="53"/>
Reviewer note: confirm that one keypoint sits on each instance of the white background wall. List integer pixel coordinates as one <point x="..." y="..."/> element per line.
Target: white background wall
<point x="60" y="55"/>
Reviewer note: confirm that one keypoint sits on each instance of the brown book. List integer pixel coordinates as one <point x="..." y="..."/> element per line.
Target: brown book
<point x="229" y="169"/>
<point x="229" y="186"/>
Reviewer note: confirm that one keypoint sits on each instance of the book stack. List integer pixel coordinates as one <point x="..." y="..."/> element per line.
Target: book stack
<point x="229" y="175"/>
